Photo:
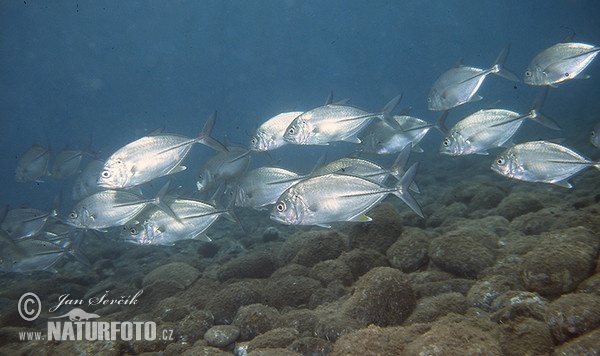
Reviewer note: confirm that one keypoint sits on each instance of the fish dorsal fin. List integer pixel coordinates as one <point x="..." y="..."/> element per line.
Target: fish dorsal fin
<point x="156" y="132"/>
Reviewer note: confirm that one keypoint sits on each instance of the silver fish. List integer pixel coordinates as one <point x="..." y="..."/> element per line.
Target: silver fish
<point x="335" y="122"/>
<point x="329" y="198"/>
<point x="561" y="62"/>
<point x="160" y="228"/>
<point x="25" y="222"/>
<point x="486" y="129"/>
<point x="223" y="166"/>
<point x="109" y="208"/>
<point x="366" y="169"/>
<point x="542" y="161"/>
<point x="33" y="164"/>
<point x="86" y="182"/>
<point x="262" y="186"/>
<point x="30" y="255"/>
<point x="381" y="138"/>
<point x="460" y="85"/>
<point x="151" y="157"/>
<point x="595" y="136"/>
<point x="269" y="135"/>
<point x="66" y="163"/>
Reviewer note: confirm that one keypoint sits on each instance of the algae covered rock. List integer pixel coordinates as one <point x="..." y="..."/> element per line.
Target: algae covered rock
<point x="573" y="315"/>
<point x="459" y="253"/>
<point x="409" y="252"/>
<point x="309" y="248"/>
<point x="225" y="303"/>
<point x="380" y="233"/>
<point x="177" y="272"/>
<point x="255" y="319"/>
<point x="565" y="260"/>
<point x="252" y="265"/>
<point x="517" y="204"/>
<point x="382" y="297"/>
<point x="376" y="340"/>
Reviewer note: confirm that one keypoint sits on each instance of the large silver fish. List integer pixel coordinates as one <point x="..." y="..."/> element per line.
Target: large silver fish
<point x="561" y="62"/>
<point x="160" y="228"/>
<point x="151" y="157"/>
<point x="110" y="208"/>
<point x="269" y="135"/>
<point x="262" y="186"/>
<point x="490" y="128"/>
<point x="381" y="138"/>
<point x="223" y="166"/>
<point x="595" y="135"/>
<point x="33" y="164"/>
<point x="542" y="161"/>
<point x="459" y="85"/>
<point x="335" y="122"/>
<point x="329" y="198"/>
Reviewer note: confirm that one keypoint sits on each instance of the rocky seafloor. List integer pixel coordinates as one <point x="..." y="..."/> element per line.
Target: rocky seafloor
<point x="496" y="268"/>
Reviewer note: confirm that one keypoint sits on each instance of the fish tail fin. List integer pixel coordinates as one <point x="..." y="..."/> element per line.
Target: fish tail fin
<point x="538" y="116"/>
<point x="159" y="201"/>
<point x="440" y="123"/>
<point x="498" y="67"/>
<point x="402" y="189"/>
<point x="205" y="138"/>
<point x="228" y="211"/>
<point x="386" y="112"/>
<point x="75" y="248"/>
<point x="398" y="168"/>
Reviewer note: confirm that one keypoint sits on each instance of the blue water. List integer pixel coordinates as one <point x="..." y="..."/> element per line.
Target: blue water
<point x="116" y="70"/>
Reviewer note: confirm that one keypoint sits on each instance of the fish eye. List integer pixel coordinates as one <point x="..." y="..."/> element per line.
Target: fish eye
<point x="500" y="161"/>
<point x="428" y="99"/>
<point x="73" y="215"/>
<point x="567" y="75"/>
<point x="280" y="207"/>
<point x="292" y="131"/>
<point x="446" y="142"/>
<point x="105" y="173"/>
<point x="133" y="231"/>
<point x="253" y="141"/>
<point x="528" y="73"/>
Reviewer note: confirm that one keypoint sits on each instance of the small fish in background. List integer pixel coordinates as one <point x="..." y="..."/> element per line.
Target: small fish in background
<point x="223" y="166"/>
<point x="194" y="217"/>
<point x="269" y="135"/>
<point x="335" y="122"/>
<point x="33" y="164"/>
<point x="559" y="63"/>
<point x="86" y="182"/>
<point x="595" y="136"/>
<point x="542" y="161"/>
<point x="152" y="156"/>
<point x="262" y="186"/>
<point x="459" y="85"/>
<point x="329" y="198"/>
<point x="37" y="253"/>
<point x="491" y="128"/>
<point x="26" y="222"/>
<point x="381" y="138"/>
<point x="67" y="162"/>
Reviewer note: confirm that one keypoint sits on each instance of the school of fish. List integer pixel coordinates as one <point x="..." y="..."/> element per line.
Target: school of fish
<point x="108" y="193"/>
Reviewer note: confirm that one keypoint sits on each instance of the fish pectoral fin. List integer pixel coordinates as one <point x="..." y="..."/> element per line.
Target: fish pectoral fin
<point x="177" y="169"/>
<point x="563" y="183"/>
<point x="475" y="98"/>
<point x="327" y="226"/>
<point x="361" y="218"/>
<point x="353" y="139"/>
